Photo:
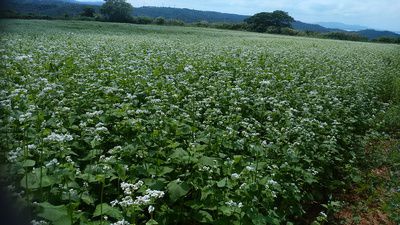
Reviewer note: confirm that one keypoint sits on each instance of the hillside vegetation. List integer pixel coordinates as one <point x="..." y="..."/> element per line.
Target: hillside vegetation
<point x="71" y="9"/>
<point x="107" y="123"/>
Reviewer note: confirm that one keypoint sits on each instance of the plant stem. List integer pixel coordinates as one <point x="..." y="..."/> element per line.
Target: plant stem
<point x="101" y="202"/>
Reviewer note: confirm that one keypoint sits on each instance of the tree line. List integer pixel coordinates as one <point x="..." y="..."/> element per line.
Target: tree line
<point x="276" y="22"/>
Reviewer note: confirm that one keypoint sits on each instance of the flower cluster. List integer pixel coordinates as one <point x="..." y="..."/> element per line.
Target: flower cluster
<point x="54" y="137"/>
<point x="231" y="203"/>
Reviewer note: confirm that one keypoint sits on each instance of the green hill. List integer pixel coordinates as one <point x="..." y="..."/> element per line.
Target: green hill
<point x="62" y="8"/>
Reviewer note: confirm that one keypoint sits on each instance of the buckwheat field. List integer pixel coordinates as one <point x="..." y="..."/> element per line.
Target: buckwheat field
<point x="123" y="124"/>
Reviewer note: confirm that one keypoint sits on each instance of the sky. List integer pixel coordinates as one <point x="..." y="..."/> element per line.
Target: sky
<point x="377" y="14"/>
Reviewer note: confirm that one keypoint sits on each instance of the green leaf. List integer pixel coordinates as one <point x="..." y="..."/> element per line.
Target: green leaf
<point x="165" y="170"/>
<point x="205" y="193"/>
<point x="57" y="215"/>
<point x="28" y="163"/>
<point x="257" y="218"/>
<point x="86" y="198"/>
<point x="208" y="161"/>
<point x="222" y="183"/>
<point x="226" y="210"/>
<point x="151" y="222"/>
<point x="105" y="209"/>
<point x="177" y="189"/>
<point x="179" y="153"/>
<point x="32" y="180"/>
<point x="204" y="217"/>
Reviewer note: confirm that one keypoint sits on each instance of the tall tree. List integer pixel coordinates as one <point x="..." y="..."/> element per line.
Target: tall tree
<point x="260" y="22"/>
<point x="116" y="10"/>
<point x="88" y="12"/>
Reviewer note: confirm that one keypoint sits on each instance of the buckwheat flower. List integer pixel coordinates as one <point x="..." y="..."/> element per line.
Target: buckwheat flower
<point x="129" y="188"/>
<point x="230" y="203"/>
<point x="101" y="128"/>
<point x="24" y="117"/>
<point x="155" y="193"/>
<point x="188" y="68"/>
<point x="53" y="162"/>
<point x="126" y="201"/>
<point x="95" y="113"/>
<point x="53" y="137"/>
<point x="272" y="182"/>
<point x="14" y="154"/>
<point x="235" y="176"/>
<point x="265" y="82"/>
<point x="68" y="159"/>
<point x="250" y="168"/>
<point x="121" y="222"/>
<point x="32" y="147"/>
<point x="234" y="204"/>
<point x="22" y="57"/>
<point x="142" y="200"/>
<point x="40" y="222"/>
<point x="114" y="203"/>
<point x="151" y="209"/>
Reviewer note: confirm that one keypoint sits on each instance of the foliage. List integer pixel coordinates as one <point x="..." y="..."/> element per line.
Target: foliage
<point x="88" y="12"/>
<point x="391" y="40"/>
<point x="260" y="22"/>
<point x="159" y="21"/>
<point x="344" y="36"/>
<point x="179" y="125"/>
<point x="116" y="10"/>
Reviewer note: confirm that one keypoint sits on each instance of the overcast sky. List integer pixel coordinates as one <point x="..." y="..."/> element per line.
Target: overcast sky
<point x="378" y="14"/>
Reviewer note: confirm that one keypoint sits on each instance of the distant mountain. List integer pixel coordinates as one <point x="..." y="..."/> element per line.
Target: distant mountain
<point x="342" y="26"/>
<point x="368" y="33"/>
<point x="298" y="25"/>
<point x="188" y="15"/>
<point x="53" y="8"/>
<point x="373" y="34"/>
<point x="81" y="2"/>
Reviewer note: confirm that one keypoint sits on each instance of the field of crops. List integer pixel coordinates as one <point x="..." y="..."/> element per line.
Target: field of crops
<point x="125" y="124"/>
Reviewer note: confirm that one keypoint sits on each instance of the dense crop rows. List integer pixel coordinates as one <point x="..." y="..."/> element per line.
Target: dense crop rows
<point x="134" y="124"/>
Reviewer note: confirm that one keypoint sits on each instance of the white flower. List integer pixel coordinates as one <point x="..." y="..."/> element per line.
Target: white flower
<point x="155" y="193"/>
<point x="129" y="188"/>
<point x="272" y="182"/>
<point x="126" y="201"/>
<point x="24" y="117"/>
<point x="151" y="209"/>
<point x="234" y="204"/>
<point x="53" y="162"/>
<point x="40" y="222"/>
<point x="142" y="200"/>
<point x="13" y="155"/>
<point x="31" y="147"/>
<point x="235" y="176"/>
<point x="250" y="168"/>
<point x="53" y="137"/>
<point x="121" y="222"/>
<point x="265" y="82"/>
<point x="95" y="113"/>
<point x="188" y="68"/>
<point x="114" y="203"/>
